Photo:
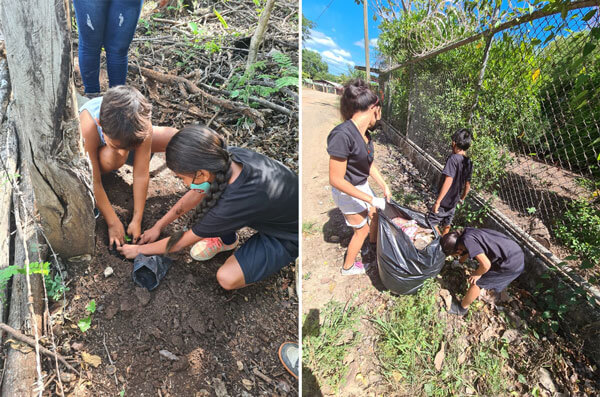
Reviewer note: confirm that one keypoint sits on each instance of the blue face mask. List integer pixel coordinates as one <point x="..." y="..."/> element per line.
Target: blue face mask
<point x="203" y="187"/>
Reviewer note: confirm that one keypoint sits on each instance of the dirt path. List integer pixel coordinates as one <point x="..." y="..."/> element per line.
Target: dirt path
<point x="325" y="237"/>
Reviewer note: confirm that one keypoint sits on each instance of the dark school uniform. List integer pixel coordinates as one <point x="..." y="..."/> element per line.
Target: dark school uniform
<point x="264" y="197"/>
<point x="504" y="253"/>
<point x="346" y="142"/>
<point x="460" y="169"/>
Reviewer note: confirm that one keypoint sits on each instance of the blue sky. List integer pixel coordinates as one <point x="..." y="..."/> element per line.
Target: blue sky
<point x="339" y="34"/>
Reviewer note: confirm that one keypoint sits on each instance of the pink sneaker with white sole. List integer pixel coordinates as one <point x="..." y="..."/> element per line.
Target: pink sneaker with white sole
<point x="207" y="248"/>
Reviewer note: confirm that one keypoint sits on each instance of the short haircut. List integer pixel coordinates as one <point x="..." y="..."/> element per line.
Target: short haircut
<point x="462" y="138"/>
<point x="124" y="116"/>
<point x="450" y="242"/>
<point x="357" y="97"/>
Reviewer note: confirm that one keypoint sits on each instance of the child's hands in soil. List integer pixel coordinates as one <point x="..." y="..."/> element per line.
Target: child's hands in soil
<point x="129" y="251"/>
<point x="134" y="230"/>
<point x="116" y="234"/>
<point x="473" y="279"/>
<point x="150" y="235"/>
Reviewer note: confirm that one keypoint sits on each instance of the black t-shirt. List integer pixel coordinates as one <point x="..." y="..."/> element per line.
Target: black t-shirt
<point x="502" y="251"/>
<point x="460" y="169"/>
<point x="264" y="197"/>
<point x="346" y="142"/>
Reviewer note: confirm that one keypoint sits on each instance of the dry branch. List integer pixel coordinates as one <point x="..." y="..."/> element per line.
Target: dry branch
<point x="260" y="101"/>
<point x="25" y="339"/>
<point x="258" y="35"/>
<point x="194" y="89"/>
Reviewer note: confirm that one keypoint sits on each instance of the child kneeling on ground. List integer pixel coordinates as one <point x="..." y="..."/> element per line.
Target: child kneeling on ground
<point x="117" y="129"/>
<point x="500" y="258"/>
<point x="234" y="187"/>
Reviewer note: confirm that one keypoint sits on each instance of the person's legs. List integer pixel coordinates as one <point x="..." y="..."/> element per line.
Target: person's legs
<point x="121" y="20"/>
<point x="472" y="294"/>
<point x="373" y="228"/>
<point x="91" y="19"/>
<point x="161" y="137"/>
<point x="110" y="159"/>
<point x="361" y="231"/>
<point x="230" y="276"/>
<point x="258" y="258"/>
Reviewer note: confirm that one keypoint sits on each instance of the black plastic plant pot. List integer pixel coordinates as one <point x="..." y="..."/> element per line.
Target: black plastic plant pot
<point x="149" y="270"/>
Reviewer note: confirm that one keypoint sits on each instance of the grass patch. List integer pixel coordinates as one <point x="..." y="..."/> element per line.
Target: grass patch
<point x="309" y="227"/>
<point x="411" y="334"/>
<point x="325" y="346"/>
<point x="406" y="199"/>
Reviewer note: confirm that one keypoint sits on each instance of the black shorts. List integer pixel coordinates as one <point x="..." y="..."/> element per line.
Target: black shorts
<point x="497" y="279"/>
<point x="131" y="157"/>
<point x="443" y="217"/>
<point x="263" y="255"/>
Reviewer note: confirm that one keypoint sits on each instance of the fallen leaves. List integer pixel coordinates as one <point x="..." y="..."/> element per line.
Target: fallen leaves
<point x="91" y="359"/>
<point x="439" y="357"/>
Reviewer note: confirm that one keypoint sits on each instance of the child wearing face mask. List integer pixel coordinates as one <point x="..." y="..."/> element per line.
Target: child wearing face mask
<point x="351" y="154"/>
<point x="232" y="187"/>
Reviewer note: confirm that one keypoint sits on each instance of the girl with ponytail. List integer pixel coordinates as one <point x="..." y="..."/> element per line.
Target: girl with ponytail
<point x="231" y="187"/>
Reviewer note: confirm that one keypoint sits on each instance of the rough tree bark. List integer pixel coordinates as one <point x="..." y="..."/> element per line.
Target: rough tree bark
<point x="259" y="33"/>
<point x="20" y="376"/>
<point x="38" y="51"/>
<point x="8" y="168"/>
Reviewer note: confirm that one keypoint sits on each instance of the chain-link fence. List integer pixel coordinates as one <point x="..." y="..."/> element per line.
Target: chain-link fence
<point x="530" y="92"/>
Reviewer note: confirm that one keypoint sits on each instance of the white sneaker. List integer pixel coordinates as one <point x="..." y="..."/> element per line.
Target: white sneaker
<point x="207" y="248"/>
<point x="357" y="268"/>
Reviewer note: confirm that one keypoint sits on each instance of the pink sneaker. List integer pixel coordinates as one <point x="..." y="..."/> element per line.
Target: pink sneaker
<point x="207" y="248"/>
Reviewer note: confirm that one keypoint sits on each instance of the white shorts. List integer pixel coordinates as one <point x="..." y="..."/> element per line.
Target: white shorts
<point x="351" y="205"/>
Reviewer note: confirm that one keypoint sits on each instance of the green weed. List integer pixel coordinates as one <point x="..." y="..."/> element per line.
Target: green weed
<point x="325" y="346"/>
<point x="85" y="323"/>
<point x="411" y="334"/>
<point x="55" y="287"/>
<point x="308" y="227"/>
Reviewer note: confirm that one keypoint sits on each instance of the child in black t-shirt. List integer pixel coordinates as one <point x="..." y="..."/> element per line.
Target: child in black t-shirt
<point x="457" y="172"/>
<point x="500" y="258"/>
<point x="233" y="187"/>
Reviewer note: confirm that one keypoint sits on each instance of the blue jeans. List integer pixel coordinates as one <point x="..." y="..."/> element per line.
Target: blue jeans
<point x="109" y="24"/>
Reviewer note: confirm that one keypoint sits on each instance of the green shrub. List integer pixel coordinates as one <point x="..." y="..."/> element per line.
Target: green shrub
<point x="579" y="229"/>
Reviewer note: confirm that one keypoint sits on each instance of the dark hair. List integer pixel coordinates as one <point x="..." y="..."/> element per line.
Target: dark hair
<point x="462" y="138"/>
<point x="450" y="242"/>
<point x="124" y="116"/>
<point x="194" y="148"/>
<point x="357" y="97"/>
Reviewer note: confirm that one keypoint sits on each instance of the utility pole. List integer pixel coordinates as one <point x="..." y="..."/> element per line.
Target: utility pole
<point x="366" y="22"/>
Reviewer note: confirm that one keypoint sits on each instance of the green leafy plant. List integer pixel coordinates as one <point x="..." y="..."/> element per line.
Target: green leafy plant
<point x="469" y="214"/>
<point x="579" y="229"/>
<point x="220" y="18"/>
<point x="55" y="287"/>
<point x="85" y="323"/>
<point x="34" y="268"/>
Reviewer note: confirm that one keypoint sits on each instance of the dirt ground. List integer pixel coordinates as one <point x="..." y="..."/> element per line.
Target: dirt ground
<point x="325" y="238"/>
<point x="223" y="340"/>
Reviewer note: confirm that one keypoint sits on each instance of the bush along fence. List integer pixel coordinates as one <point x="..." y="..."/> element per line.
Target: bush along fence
<point x="529" y="90"/>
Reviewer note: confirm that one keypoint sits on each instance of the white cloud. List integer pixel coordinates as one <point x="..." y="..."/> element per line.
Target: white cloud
<point x="318" y="38"/>
<point x="342" y="53"/>
<point x="361" y="43"/>
<point x="336" y="59"/>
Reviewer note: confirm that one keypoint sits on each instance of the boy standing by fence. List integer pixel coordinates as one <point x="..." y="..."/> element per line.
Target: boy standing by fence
<point x="457" y="178"/>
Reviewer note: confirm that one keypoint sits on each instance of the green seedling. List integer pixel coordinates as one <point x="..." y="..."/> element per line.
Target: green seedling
<point x="127" y="238"/>
<point x="85" y="323"/>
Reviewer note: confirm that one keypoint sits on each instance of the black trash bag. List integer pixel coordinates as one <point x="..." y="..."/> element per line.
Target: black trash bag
<point x="149" y="270"/>
<point x="403" y="268"/>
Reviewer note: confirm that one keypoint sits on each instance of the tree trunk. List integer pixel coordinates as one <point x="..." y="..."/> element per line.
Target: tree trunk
<point x="8" y="168"/>
<point x="20" y="376"/>
<point x="258" y="35"/>
<point x="38" y="51"/>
